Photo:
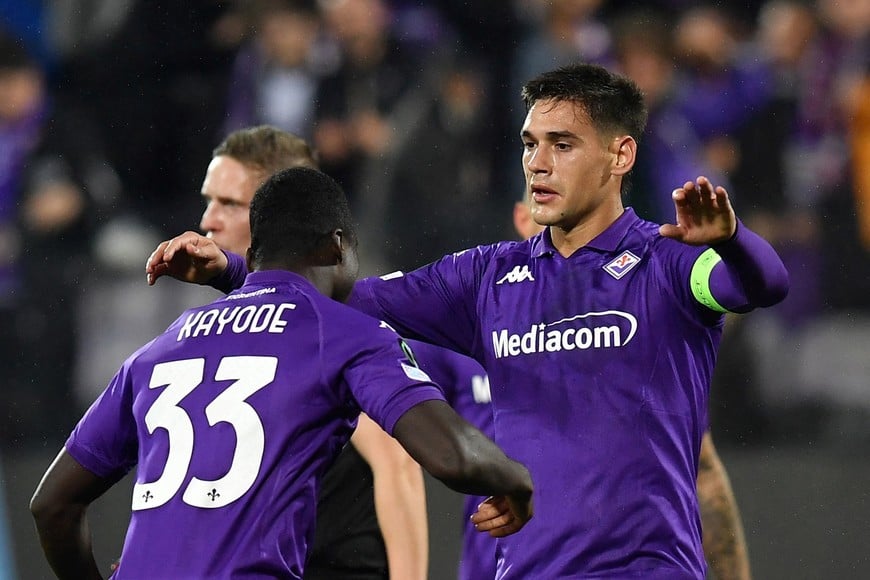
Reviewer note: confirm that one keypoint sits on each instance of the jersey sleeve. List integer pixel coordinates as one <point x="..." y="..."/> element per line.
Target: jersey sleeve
<point x="233" y="277"/>
<point x="105" y="440"/>
<point x="435" y="303"/>
<point x="383" y="375"/>
<point x="738" y="276"/>
<point x="741" y="274"/>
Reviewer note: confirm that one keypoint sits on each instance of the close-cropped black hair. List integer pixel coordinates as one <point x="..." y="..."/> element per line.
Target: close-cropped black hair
<point x="613" y="102"/>
<point x="294" y="212"/>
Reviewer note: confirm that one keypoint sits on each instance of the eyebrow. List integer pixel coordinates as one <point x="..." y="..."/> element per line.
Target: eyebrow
<point x="220" y="198"/>
<point x="553" y="135"/>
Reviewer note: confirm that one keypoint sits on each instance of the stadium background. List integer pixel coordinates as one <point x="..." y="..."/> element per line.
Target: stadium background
<point x="119" y="102"/>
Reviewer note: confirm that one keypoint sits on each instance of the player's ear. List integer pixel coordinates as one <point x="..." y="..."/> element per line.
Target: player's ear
<point x="339" y="244"/>
<point x="249" y="259"/>
<point x="624" y="149"/>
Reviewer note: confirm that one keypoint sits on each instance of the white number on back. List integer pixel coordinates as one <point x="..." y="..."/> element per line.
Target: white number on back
<point x="180" y="378"/>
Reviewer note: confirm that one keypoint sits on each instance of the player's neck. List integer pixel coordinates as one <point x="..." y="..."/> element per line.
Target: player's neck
<point x="569" y="240"/>
<point x="321" y="277"/>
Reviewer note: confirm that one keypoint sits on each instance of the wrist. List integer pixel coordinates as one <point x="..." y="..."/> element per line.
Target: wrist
<point x="732" y="238"/>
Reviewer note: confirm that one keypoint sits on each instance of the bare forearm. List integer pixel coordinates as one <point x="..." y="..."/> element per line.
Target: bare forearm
<point x="724" y="541"/>
<point x="459" y="455"/>
<point x="401" y="510"/>
<point x="59" y="507"/>
<point x="66" y="542"/>
<point x="400" y="500"/>
<point x="492" y="473"/>
<point x="464" y="459"/>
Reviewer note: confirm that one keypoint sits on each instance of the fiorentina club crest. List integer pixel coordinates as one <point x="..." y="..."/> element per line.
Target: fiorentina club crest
<point x="622" y="264"/>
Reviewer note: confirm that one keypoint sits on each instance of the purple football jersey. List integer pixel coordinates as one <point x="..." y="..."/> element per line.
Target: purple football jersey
<point x="600" y="366"/>
<point x="232" y="416"/>
<point x="466" y="386"/>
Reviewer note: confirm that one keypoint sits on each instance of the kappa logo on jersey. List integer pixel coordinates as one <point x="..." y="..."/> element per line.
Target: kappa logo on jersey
<point x="518" y="274"/>
<point x="622" y="264"/>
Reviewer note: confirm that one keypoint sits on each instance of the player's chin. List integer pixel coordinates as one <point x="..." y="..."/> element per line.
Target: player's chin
<point x="545" y="218"/>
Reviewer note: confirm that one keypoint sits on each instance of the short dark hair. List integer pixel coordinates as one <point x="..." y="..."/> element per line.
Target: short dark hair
<point x="267" y="149"/>
<point x="294" y="212"/>
<point x="613" y="102"/>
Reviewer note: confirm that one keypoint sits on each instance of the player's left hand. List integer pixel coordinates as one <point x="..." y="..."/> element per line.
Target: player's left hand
<point x="500" y="517"/>
<point x="704" y="214"/>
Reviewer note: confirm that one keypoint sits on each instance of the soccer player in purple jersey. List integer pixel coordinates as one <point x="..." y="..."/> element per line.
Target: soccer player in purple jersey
<point x="466" y="387"/>
<point x="599" y="335"/>
<point x="724" y="541"/>
<point x="233" y="414"/>
<point x="372" y="522"/>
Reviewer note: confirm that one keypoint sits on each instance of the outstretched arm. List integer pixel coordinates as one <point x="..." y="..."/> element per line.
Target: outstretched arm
<point x="460" y="456"/>
<point x="400" y="500"/>
<point x="740" y="271"/>
<point x="59" y="508"/>
<point x="724" y="542"/>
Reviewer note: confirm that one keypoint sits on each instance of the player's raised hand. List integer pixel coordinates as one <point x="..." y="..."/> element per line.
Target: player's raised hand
<point x="704" y="214"/>
<point x="190" y="257"/>
<point x="502" y="515"/>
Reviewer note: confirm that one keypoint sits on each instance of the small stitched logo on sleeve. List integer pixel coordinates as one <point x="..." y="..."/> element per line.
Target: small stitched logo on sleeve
<point x="415" y="373"/>
<point x="620" y="266"/>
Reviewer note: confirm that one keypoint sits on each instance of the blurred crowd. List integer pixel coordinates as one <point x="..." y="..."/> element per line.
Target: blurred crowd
<point x="109" y="111"/>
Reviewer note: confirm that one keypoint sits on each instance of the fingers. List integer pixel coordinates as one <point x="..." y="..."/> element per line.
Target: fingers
<point x="156" y="256"/>
<point x="506" y="530"/>
<point x="187" y="242"/>
<point x="699" y="196"/>
<point x="714" y="196"/>
<point x="154" y="265"/>
<point x="486" y="510"/>
<point x="496" y="517"/>
<point x="156" y="272"/>
<point x="158" y="262"/>
<point x="672" y="231"/>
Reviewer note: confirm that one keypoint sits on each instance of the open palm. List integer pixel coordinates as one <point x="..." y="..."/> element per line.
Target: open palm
<point x="704" y="214"/>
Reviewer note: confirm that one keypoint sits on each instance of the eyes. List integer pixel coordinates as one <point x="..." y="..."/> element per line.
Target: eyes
<point x="558" y="146"/>
<point x="225" y="204"/>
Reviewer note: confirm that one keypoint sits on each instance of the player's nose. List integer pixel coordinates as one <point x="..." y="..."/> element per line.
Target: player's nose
<point x="210" y="219"/>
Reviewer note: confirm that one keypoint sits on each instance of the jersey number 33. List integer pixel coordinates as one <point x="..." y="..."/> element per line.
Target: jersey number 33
<point x="178" y="379"/>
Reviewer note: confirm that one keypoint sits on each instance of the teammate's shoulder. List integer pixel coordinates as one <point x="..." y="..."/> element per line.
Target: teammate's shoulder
<point x="346" y="319"/>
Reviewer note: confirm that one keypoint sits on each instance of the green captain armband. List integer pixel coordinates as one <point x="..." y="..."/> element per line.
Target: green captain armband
<point x="699" y="280"/>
